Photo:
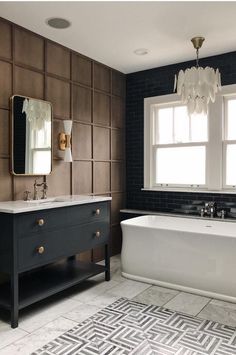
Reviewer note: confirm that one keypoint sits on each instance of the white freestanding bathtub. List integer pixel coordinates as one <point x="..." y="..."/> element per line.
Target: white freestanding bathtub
<point x="193" y="255"/>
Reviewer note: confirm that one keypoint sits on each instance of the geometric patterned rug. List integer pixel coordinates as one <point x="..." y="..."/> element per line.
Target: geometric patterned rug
<point x="127" y="327"/>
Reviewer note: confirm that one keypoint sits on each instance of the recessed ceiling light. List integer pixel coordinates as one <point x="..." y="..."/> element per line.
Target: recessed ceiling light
<point x="59" y="23"/>
<point x="141" y="51"/>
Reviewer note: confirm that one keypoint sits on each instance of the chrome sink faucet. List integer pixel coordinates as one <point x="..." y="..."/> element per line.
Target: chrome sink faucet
<point x="44" y="191"/>
<point x="209" y="209"/>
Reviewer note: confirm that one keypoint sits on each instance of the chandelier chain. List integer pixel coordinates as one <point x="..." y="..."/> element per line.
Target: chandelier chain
<point x="197" y="59"/>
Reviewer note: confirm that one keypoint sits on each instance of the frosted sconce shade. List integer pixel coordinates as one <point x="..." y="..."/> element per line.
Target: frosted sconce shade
<point x="67" y="126"/>
<point x="68" y="156"/>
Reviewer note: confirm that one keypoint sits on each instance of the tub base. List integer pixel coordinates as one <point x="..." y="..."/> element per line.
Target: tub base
<point x="180" y="288"/>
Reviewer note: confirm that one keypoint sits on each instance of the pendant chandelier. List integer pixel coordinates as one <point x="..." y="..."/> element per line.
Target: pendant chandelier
<point x="197" y="86"/>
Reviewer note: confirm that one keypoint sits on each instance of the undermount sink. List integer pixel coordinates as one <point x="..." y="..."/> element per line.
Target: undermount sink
<point x="47" y="200"/>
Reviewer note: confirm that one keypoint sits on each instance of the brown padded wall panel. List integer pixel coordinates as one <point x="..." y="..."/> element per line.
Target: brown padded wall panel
<point x="82" y="104"/>
<point x="4" y="133"/>
<point x="81" y="70"/>
<point x="5" y="42"/>
<point x="5" y="182"/>
<point x="118" y="83"/>
<point x="82" y="176"/>
<point x="117" y="144"/>
<point x="117" y="176"/>
<point x="117" y="112"/>
<point x="101" y="176"/>
<point x="102" y="77"/>
<point x="58" y="60"/>
<point x="5" y="84"/>
<point x="58" y="93"/>
<point x="101" y="109"/>
<point x="29" y="83"/>
<point x="29" y="48"/>
<point x="101" y="143"/>
<point x="82" y="148"/>
<point x="89" y="93"/>
<point x="59" y="181"/>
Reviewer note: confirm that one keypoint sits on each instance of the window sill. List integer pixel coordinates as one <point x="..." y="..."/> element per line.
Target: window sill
<point x="179" y="189"/>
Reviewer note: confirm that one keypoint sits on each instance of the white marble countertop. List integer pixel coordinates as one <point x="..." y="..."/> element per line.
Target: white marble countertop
<point x="21" y="206"/>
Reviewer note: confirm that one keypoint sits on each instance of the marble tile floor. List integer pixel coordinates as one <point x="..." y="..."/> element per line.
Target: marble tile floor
<point x="49" y="319"/>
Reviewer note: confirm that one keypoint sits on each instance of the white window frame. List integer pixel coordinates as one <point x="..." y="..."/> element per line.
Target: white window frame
<point x="216" y="145"/>
<point x="226" y="141"/>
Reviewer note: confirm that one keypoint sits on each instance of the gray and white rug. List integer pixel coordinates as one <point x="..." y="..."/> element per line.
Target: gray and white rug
<point x="128" y="327"/>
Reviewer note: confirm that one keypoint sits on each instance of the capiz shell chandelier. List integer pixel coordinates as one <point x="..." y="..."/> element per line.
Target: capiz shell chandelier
<point x="197" y="86"/>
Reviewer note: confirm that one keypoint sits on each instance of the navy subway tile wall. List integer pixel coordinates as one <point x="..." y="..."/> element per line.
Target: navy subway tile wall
<point x="155" y="82"/>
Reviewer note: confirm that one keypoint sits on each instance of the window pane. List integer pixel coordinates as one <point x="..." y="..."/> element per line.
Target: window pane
<point x="41" y="162"/>
<point x="164" y="126"/>
<point x="231" y="164"/>
<point x="231" y="119"/>
<point x="181" y="165"/>
<point x="199" y="131"/>
<point x="181" y="124"/>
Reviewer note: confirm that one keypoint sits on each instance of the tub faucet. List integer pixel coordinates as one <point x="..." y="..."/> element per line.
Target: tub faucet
<point x="212" y="211"/>
<point x="202" y="212"/>
<point x="209" y="209"/>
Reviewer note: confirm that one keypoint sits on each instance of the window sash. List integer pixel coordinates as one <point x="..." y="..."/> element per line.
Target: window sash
<point x="226" y="141"/>
<point x="178" y="145"/>
<point x="226" y="99"/>
<point x="156" y="128"/>
<point x="225" y="144"/>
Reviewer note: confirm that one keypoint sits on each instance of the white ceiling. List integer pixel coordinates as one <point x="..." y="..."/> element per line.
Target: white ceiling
<point x="110" y="31"/>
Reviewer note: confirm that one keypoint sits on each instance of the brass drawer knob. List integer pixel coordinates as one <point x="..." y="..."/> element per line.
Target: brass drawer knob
<point x="40" y="250"/>
<point x="98" y="234"/>
<point x="97" y="212"/>
<point x="40" y="222"/>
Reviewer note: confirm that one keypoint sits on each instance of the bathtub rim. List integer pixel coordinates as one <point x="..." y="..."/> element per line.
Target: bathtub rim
<point x="130" y="223"/>
<point x="180" y="288"/>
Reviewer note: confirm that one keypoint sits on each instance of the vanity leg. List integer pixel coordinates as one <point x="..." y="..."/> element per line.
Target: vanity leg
<point x="107" y="262"/>
<point x="14" y="300"/>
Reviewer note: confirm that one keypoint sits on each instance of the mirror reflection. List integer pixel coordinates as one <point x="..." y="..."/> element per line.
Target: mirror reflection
<point x="32" y="136"/>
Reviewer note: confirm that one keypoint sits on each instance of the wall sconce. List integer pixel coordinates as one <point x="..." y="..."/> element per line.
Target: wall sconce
<point x="64" y="140"/>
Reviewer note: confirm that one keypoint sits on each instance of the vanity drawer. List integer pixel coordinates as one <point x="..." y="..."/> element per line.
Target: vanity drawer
<point x="41" y="221"/>
<point x="42" y="248"/>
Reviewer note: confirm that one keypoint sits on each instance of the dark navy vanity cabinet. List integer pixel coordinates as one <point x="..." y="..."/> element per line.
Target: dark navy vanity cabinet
<point x="37" y="249"/>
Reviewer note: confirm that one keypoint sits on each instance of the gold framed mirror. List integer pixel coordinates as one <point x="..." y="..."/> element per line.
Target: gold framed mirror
<point x="31" y="136"/>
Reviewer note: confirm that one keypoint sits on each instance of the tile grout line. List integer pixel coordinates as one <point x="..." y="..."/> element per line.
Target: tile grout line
<point x="179" y="292"/>
<point x="45" y="324"/>
<point x="98" y="295"/>
<point x="204" y="307"/>
<point x="14" y="342"/>
<point x="141" y="291"/>
<point x="53" y="319"/>
<point x="23" y="336"/>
